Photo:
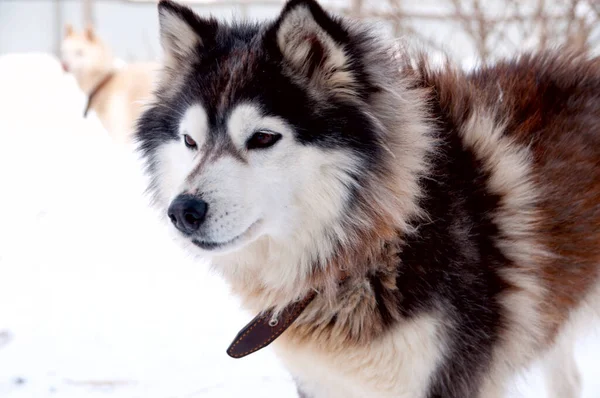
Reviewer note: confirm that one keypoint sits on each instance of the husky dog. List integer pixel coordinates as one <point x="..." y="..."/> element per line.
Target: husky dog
<point x="114" y="93"/>
<point x="446" y="224"/>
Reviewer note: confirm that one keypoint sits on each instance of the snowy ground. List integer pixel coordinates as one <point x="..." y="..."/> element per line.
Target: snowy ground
<point x="95" y="300"/>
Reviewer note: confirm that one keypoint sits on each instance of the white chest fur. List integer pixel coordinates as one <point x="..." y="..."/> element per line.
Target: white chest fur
<point x="397" y="365"/>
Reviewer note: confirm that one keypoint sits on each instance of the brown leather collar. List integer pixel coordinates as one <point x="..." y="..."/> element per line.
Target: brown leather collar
<point x="102" y="83"/>
<point x="264" y="329"/>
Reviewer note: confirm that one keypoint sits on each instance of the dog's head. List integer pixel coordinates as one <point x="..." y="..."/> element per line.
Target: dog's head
<point x="83" y="53"/>
<point x="266" y="133"/>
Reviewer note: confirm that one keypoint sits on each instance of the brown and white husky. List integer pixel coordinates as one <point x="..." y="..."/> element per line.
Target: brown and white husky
<point x="116" y="94"/>
<point x="402" y="230"/>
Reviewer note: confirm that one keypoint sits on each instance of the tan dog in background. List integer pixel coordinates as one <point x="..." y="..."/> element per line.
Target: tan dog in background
<point x="115" y="93"/>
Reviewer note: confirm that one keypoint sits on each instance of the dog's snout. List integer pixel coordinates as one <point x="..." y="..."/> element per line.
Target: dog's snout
<point x="187" y="213"/>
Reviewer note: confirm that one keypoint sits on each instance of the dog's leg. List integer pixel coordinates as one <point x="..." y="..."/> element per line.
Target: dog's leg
<point x="562" y="376"/>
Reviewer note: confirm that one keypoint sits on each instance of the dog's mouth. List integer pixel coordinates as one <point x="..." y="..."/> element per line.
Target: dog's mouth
<point x="245" y="236"/>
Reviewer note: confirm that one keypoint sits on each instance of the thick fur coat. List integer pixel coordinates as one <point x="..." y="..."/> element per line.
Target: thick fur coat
<point x="449" y="221"/>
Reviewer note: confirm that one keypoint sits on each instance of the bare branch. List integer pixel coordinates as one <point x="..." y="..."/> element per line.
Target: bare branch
<point x="482" y="30"/>
<point x="533" y="22"/>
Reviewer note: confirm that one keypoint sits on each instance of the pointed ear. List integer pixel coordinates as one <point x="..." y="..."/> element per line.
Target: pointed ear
<point x="182" y="32"/>
<point x="69" y="30"/>
<point x="314" y="44"/>
<point x="90" y="34"/>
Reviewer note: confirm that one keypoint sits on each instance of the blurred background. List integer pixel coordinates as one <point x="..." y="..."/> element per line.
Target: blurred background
<point x="468" y="29"/>
<point x="95" y="298"/>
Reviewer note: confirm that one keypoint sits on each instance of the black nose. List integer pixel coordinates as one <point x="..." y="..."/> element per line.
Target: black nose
<point x="187" y="213"/>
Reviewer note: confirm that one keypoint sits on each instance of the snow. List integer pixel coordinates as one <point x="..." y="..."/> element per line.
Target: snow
<point x="95" y="298"/>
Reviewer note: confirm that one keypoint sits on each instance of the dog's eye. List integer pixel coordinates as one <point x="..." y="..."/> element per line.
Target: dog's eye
<point x="262" y="140"/>
<point x="189" y="142"/>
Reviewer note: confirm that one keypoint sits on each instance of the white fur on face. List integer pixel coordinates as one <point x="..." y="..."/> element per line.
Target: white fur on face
<point x="175" y="160"/>
<point x="195" y="124"/>
<point x="246" y="119"/>
<point x="289" y="193"/>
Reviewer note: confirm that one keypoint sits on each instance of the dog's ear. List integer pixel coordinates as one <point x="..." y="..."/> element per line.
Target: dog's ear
<point x="69" y="30"/>
<point x="182" y="32"/>
<point x="90" y="34"/>
<point x="314" y="44"/>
